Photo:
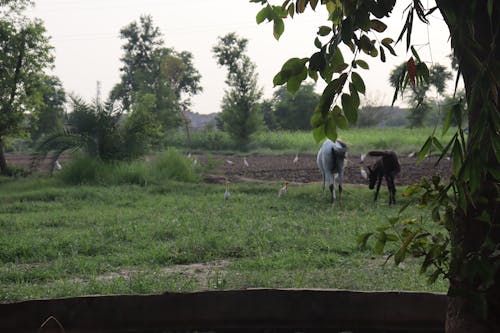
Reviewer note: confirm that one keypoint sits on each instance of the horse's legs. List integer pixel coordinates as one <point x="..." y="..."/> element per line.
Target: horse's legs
<point x="340" y="187"/>
<point x="331" y="183"/>
<point x="392" y="190"/>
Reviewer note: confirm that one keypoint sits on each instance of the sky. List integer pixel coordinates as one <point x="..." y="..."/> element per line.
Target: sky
<point x="85" y="35"/>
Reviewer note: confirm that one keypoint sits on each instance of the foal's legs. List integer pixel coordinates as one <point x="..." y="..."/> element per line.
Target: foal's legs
<point x="379" y="182"/>
<point x="392" y="189"/>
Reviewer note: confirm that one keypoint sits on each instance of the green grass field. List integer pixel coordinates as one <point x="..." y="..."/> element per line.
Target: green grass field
<point x="58" y="240"/>
<point x="359" y="140"/>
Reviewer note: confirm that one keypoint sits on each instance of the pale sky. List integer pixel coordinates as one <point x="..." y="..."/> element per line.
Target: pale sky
<point x="85" y="34"/>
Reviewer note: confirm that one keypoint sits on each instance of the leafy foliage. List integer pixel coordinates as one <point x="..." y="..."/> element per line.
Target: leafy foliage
<point x="420" y="86"/>
<point x="293" y="112"/>
<point x="350" y="25"/>
<point x="474" y="233"/>
<point x="26" y="53"/>
<point x="150" y="68"/>
<point x="240" y="113"/>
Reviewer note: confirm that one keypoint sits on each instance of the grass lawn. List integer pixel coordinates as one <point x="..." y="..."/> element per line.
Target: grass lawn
<point x="58" y="240"/>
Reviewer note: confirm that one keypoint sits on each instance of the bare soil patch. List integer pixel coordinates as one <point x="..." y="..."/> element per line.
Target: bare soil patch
<point x="271" y="168"/>
<point x="305" y="170"/>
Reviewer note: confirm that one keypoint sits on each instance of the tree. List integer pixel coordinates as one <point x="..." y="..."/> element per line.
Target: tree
<point x="50" y="115"/>
<point x="418" y="98"/>
<point x="151" y="68"/>
<point x="267" y="113"/>
<point x="293" y="112"/>
<point x="373" y="112"/>
<point x="93" y="129"/>
<point x="240" y="116"/>
<point x="468" y="205"/>
<point x="26" y="53"/>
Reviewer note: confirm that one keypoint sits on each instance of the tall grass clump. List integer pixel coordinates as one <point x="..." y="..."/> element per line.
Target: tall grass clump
<point x="205" y="140"/>
<point x="84" y="170"/>
<point x="93" y="171"/>
<point x="173" y="165"/>
<point x="286" y="141"/>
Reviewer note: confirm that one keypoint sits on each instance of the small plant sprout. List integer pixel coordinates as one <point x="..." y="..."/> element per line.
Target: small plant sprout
<point x="283" y="190"/>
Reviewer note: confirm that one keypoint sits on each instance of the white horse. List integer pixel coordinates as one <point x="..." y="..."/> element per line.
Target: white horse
<point x="330" y="161"/>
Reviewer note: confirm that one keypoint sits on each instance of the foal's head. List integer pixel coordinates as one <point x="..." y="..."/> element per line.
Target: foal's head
<point x="372" y="178"/>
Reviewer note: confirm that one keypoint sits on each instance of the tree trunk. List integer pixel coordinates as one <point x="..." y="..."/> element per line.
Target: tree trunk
<point x="3" y="163"/>
<point x="474" y="302"/>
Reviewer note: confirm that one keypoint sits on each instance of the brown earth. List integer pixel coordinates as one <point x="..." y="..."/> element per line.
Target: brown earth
<point x="305" y="170"/>
<point x="281" y="167"/>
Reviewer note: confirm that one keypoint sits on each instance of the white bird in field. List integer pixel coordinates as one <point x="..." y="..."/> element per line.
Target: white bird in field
<point x="226" y="193"/>
<point x="58" y="165"/>
<point x="363" y="156"/>
<point x="245" y="162"/>
<point x="410" y="155"/>
<point x="296" y="159"/>
<point x="189" y="155"/>
<point x="283" y="190"/>
<point x="195" y="161"/>
<point x="229" y="162"/>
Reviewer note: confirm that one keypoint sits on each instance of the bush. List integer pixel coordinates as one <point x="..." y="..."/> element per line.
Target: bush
<point x="171" y="164"/>
<point x="83" y="170"/>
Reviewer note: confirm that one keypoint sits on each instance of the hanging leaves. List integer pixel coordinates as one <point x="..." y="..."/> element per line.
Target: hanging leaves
<point x="412" y="71"/>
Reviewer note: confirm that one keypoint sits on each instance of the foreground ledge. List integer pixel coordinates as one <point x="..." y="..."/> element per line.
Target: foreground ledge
<point x="269" y="310"/>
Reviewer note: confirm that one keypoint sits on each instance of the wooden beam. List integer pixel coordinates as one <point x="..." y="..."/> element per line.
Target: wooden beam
<point x="238" y="310"/>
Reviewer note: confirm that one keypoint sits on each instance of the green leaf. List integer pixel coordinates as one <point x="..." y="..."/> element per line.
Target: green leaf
<point x="347" y="30"/>
<point x="319" y="133"/>
<point x="426" y="148"/>
<point x="350" y="110"/>
<point x="358" y="83"/>
<point x="324" y="30"/>
<point x="457" y="156"/>
<point x="387" y="41"/>
<point x="365" y="44"/>
<point x="361" y="63"/>
<point x="354" y="96"/>
<point x="313" y="75"/>
<point x="278" y="27"/>
<point x="415" y="54"/>
<point x="341" y="121"/>
<point x="411" y="189"/>
<point x="278" y="79"/>
<point x="337" y="57"/>
<point x="293" y="66"/>
<point x="378" y="26"/>
<point x="331" y="128"/>
<point x="316" y="119"/>
<point x="363" y="239"/>
<point x="380" y="243"/>
<point x="382" y="54"/>
<point x="489" y="5"/>
<point x="293" y="84"/>
<point x="317" y="43"/>
<point x="263" y="14"/>
<point x="317" y="61"/>
<point x="400" y="254"/>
